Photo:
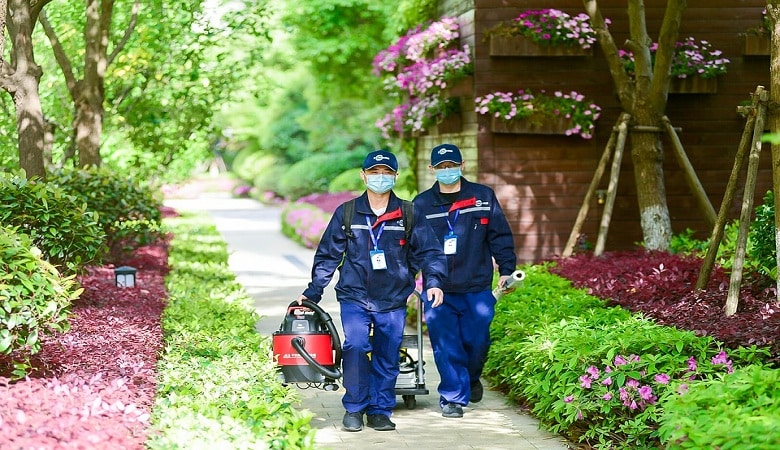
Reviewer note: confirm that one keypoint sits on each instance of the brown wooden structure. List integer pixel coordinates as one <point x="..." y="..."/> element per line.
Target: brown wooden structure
<point x="542" y="180"/>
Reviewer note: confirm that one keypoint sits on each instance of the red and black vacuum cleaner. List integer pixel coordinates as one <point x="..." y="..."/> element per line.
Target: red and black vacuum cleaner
<point x="307" y="347"/>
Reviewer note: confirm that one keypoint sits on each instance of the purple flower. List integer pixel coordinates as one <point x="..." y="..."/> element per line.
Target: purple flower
<point x="585" y="381"/>
<point x="661" y="378"/>
<point x="568" y="399"/>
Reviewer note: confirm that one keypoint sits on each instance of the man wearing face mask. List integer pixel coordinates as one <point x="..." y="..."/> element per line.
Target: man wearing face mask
<point x="474" y="233"/>
<point x="377" y="259"/>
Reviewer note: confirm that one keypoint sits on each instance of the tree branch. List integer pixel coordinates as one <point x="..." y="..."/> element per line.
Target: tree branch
<point x="128" y="32"/>
<point x="59" y="54"/>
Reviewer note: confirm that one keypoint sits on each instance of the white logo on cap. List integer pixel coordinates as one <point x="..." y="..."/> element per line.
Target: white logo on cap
<point x="445" y="150"/>
<point x="380" y="157"/>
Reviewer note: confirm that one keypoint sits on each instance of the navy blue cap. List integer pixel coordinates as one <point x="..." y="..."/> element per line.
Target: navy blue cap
<point x="445" y="153"/>
<point x="380" y="158"/>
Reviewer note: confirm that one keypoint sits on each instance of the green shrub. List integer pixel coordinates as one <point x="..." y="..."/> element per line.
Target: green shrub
<point x="35" y="297"/>
<point x="269" y="179"/>
<point x="762" y="236"/>
<point x="128" y="212"/>
<point x="248" y="165"/>
<point x="62" y="227"/>
<point x="217" y="382"/>
<point x="347" y="181"/>
<point x="597" y="374"/>
<point x="742" y="411"/>
<point x="313" y="174"/>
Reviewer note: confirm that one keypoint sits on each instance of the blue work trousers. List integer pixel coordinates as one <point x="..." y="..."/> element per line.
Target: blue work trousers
<point x="459" y="330"/>
<point x="370" y="382"/>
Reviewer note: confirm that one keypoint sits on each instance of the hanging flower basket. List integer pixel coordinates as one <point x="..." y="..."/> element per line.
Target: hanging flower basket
<point x="451" y="124"/>
<point x="756" y="44"/>
<point x="693" y="85"/>
<point x="531" y="125"/>
<point x="501" y="45"/>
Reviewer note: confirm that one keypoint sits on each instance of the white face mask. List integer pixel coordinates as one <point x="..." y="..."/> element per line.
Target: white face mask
<point x="380" y="183"/>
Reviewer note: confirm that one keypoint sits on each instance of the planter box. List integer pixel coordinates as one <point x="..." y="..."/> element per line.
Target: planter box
<point x="523" y="46"/>
<point x="756" y="45"/>
<point x="693" y="85"/>
<point x="449" y="125"/>
<point x="524" y="126"/>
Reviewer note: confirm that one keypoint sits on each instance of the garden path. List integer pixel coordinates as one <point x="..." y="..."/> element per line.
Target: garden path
<point x="274" y="270"/>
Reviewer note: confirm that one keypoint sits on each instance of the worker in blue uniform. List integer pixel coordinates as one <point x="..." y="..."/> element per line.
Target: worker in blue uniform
<point x="475" y="236"/>
<point x="377" y="267"/>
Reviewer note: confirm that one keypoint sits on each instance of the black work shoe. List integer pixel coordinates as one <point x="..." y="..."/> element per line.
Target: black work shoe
<point x="476" y="392"/>
<point x="380" y="422"/>
<point x="353" y="421"/>
<point x="452" y="410"/>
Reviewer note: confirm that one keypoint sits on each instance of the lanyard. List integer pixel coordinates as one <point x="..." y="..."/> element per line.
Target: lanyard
<point x="375" y="239"/>
<point x="454" y="219"/>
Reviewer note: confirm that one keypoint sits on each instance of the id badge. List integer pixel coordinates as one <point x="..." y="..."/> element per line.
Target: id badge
<point x="450" y="244"/>
<point x="378" y="261"/>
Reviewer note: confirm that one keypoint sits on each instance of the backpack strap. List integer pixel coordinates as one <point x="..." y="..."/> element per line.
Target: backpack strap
<point x="407" y="212"/>
<point x="349" y="214"/>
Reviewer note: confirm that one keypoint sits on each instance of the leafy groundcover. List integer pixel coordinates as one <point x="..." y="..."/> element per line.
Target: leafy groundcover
<point x="94" y="386"/>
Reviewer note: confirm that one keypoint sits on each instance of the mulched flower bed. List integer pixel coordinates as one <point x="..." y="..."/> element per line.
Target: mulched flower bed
<point x="94" y="386"/>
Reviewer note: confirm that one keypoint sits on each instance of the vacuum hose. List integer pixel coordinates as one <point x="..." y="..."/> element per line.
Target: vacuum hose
<point x="298" y="343"/>
<point x="516" y="277"/>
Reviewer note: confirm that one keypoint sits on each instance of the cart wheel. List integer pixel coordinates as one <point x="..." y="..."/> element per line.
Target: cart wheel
<point x="409" y="401"/>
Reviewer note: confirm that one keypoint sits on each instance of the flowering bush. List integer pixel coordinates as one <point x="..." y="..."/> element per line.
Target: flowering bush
<point x="417" y="46"/>
<point x="690" y="58"/>
<point x="552" y="27"/>
<point x="416" y="116"/>
<point x="524" y="104"/>
<point x="628" y="388"/>
<point x="419" y="67"/>
<point x="435" y="75"/>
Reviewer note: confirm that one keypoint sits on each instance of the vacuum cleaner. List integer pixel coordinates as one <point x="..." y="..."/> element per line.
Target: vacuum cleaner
<point x="307" y="347"/>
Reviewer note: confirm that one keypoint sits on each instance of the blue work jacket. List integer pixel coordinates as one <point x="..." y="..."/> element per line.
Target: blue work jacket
<point x="376" y="290"/>
<point x="482" y="231"/>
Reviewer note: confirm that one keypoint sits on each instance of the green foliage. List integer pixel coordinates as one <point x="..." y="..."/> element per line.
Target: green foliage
<point x="760" y="254"/>
<point x="313" y="174"/>
<point x="342" y="34"/>
<point x="686" y="244"/>
<point x="248" y="164"/>
<point x="349" y="180"/>
<point x="413" y="13"/>
<point x="762" y="236"/>
<point x="128" y="212"/>
<point x="66" y="231"/>
<point x="554" y="347"/>
<point x="741" y="411"/>
<point x="36" y="299"/>
<point x="217" y="381"/>
<point x="268" y="180"/>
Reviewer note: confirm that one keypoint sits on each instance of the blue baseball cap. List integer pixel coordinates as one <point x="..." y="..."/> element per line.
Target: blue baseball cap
<point x="445" y="153"/>
<point x="380" y="158"/>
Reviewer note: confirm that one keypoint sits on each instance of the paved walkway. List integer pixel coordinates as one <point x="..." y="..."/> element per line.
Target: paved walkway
<point x="274" y="270"/>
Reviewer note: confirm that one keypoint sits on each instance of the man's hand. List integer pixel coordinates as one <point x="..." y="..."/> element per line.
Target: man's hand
<point x="502" y="281"/>
<point x="436" y="296"/>
<point x="301" y="298"/>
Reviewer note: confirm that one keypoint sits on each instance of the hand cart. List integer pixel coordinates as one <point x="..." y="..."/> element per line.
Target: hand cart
<point x="411" y="380"/>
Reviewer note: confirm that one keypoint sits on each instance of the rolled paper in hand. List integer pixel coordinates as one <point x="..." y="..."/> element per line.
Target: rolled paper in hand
<point x="516" y="277"/>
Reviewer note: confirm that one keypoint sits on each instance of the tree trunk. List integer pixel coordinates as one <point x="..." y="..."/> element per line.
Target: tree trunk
<point x="88" y="128"/>
<point x="21" y="79"/>
<point x="647" y="157"/>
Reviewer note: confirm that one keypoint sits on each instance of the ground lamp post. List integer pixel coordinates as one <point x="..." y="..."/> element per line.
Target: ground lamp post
<point x="125" y="276"/>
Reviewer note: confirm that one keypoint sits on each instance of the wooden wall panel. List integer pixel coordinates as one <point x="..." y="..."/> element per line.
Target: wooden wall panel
<point x="542" y="180"/>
